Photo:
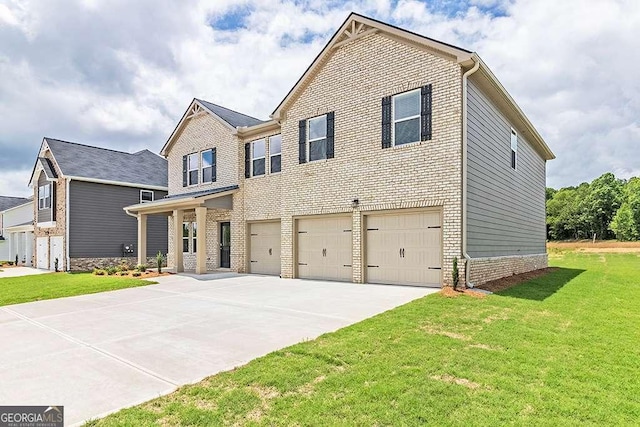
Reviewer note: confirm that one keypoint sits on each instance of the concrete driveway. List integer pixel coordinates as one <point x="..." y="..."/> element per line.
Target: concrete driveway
<point x="98" y="353"/>
<point x="20" y="271"/>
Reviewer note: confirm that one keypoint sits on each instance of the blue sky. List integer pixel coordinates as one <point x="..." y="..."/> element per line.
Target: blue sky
<point x="120" y="74"/>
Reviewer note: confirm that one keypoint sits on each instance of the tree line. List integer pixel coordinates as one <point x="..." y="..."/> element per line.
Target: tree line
<point x="607" y="207"/>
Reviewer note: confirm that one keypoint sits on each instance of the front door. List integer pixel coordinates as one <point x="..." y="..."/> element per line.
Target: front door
<point x="225" y="245"/>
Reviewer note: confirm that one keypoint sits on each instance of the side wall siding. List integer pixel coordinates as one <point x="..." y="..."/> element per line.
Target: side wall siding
<point x="98" y="226"/>
<point x="506" y="207"/>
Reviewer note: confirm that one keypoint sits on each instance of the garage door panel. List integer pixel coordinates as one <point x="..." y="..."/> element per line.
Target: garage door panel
<point x="404" y="248"/>
<point x="324" y="248"/>
<point x="265" y="248"/>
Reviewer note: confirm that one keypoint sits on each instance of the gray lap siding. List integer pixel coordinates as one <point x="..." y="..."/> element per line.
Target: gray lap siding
<point x="506" y="207"/>
<point x="98" y="226"/>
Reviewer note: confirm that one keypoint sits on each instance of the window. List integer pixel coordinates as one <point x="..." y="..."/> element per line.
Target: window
<point x="514" y="148"/>
<point x="317" y="138"/>
<point x="189" y="236"/>
<point x="258" y="156"/>
<point x="146" y="196"/>
<point x="193" y="168"/>
<point x="275" y="153"/>
<point x="44" y="197"/>
<point x="406" y="117"/>
<point x="207" y="166"/>
<point x="185" y="237"/>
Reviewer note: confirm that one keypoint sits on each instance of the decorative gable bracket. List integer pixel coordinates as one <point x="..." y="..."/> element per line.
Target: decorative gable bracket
<point x="195" y="111"/>
<point x="354" y="32"/>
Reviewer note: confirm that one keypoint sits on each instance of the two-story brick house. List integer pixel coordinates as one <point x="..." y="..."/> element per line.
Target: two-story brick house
<point x="391" y="156"/>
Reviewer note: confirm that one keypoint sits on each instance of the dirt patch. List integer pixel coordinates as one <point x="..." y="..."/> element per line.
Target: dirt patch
<point x="449" y="292"/>
<point x="453" y="380"/>
<point x="485" y="347"/>
<point x="510" y="281"/>
<point x="453" y="335"/>
<point x="598" y="246"/>
<point x="129" y="275"/>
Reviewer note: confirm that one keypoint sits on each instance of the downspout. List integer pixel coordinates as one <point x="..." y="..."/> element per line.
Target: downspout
<point x="465" y="76"/>
<point x="67" y="214"/>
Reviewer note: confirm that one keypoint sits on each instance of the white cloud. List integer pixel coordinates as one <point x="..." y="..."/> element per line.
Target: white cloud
<point x="120" y="73"/>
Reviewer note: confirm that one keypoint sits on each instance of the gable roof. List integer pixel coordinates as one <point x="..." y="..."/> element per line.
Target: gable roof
<point x="233" y="120"/>
<point x="48" y="168"/>
<point x="8" y="202"/>
<point x="85" y="162"/>
<point x="357" y="26"/>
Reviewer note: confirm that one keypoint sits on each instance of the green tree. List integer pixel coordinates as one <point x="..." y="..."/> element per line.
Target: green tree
<point x="601" y="204"/>
<point x="626" y="222"/>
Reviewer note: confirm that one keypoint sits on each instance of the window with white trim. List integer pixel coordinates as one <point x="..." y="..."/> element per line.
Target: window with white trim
<point x="44" y="197"/>
<point x="275" y="153"/>
<point x="514" y="149"/>
<point x="189" y="237"/>
<point x="192" y="168"/>
<point x="317" y="138"/>
<point x="258" y="157"/>
<point x="207" y="166"/>
<point x="185" y="237"/>
<point x="194" y="237"/>
<point x="146" y="196"/>
<point x="406" y="117"/>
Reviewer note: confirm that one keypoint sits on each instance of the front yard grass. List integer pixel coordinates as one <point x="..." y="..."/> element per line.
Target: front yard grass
<point x="15" y="290"/>
<point x="562" y="349"/>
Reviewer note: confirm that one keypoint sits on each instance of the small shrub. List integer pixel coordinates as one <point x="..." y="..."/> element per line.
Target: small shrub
<point x="111" y="270"/>
<point x="9" y="262"/>
<point x="98" y="272"/>
<point x="455" y="274"/>
<point x="141" y="267"/>
<point x="124" y="273"/>
<point x="159" y="260"/>
<point x="125" y="266"/>
<point x="136" y="274"/>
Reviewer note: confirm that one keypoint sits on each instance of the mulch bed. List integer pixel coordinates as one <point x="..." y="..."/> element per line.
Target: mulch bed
<point x="449" y="292"/>
<point x="507" y="282"/>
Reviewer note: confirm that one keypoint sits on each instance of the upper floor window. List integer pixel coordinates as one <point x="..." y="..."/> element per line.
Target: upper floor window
<point x="275" y="153"/>
<point x="406" y="117"/>
<point x="317" y="138"/>
<point x="208" y="165"/>
<point x="44" y="196"/>
<point x="146" y="196"/>
<point x="514" y="148"/>
<point x="192" y="162"/>
<point x="258" y="156"/>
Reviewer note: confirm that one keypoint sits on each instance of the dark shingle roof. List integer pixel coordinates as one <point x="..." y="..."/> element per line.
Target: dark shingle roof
<point x="234" y="118"/>
<point x="84" y="161"/>
<point x="48" y="168"/>
<point x="8" y="202"/>
<point x="201" y="193"/>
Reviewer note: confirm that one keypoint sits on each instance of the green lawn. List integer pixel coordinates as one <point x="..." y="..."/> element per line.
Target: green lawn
<point x="15" y="290"/>
<point x="559" y="350"/>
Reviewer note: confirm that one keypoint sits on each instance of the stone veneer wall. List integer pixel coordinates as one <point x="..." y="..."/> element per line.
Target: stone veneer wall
<point x="486" y="269"/>
<point x="88" y="264"/>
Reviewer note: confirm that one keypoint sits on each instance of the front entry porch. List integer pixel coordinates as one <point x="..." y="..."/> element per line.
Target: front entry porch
<point x="199" y="230"/>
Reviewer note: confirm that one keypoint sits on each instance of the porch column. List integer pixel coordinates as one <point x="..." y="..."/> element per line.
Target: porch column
<point x="201" y="240"/>
<point x="142" y="239"/>
<point x="178" y="217"/>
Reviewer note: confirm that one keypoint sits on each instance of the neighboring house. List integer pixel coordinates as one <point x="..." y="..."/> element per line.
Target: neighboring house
<point x="391" y="156"/>
<point x="79" y="192"/>
<point x="16" y="229"/>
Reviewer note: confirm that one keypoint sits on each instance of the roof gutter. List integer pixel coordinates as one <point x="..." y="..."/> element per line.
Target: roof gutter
<point x="465" y="77"/>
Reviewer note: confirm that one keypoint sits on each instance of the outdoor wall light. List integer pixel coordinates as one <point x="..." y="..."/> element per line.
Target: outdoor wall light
<point x="355" y="203"/>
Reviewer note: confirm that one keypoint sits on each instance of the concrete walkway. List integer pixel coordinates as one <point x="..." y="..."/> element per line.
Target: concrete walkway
<point x="20" y="271"/>
<point x="98" y="353"/>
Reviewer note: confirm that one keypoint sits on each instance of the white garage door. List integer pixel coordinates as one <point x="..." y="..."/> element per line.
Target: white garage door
<point x="404" y="248"/>
<point x="57" y="252"/>
<point x="42" y="252"/>
<point x="325" y="248"/>
<point x="265" y="248"/>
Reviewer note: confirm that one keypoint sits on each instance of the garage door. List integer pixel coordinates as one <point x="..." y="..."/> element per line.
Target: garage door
<point x="404" y="248"/>
<point x="42" y="252"/>
<point x="324" y="248"/>
<point x="57" y="252"/>
<point x="265" y="248"/>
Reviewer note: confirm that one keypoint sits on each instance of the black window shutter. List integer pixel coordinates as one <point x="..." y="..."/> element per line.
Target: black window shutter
<point x="330" y="133"/>
<point x="247" y="160"/>
<point x="184" y="171"/>
<point x="214" y="165"/>
<point x="302" y="141"/>
<point x="386" y="122"/>
<point x="425" y="113"/>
